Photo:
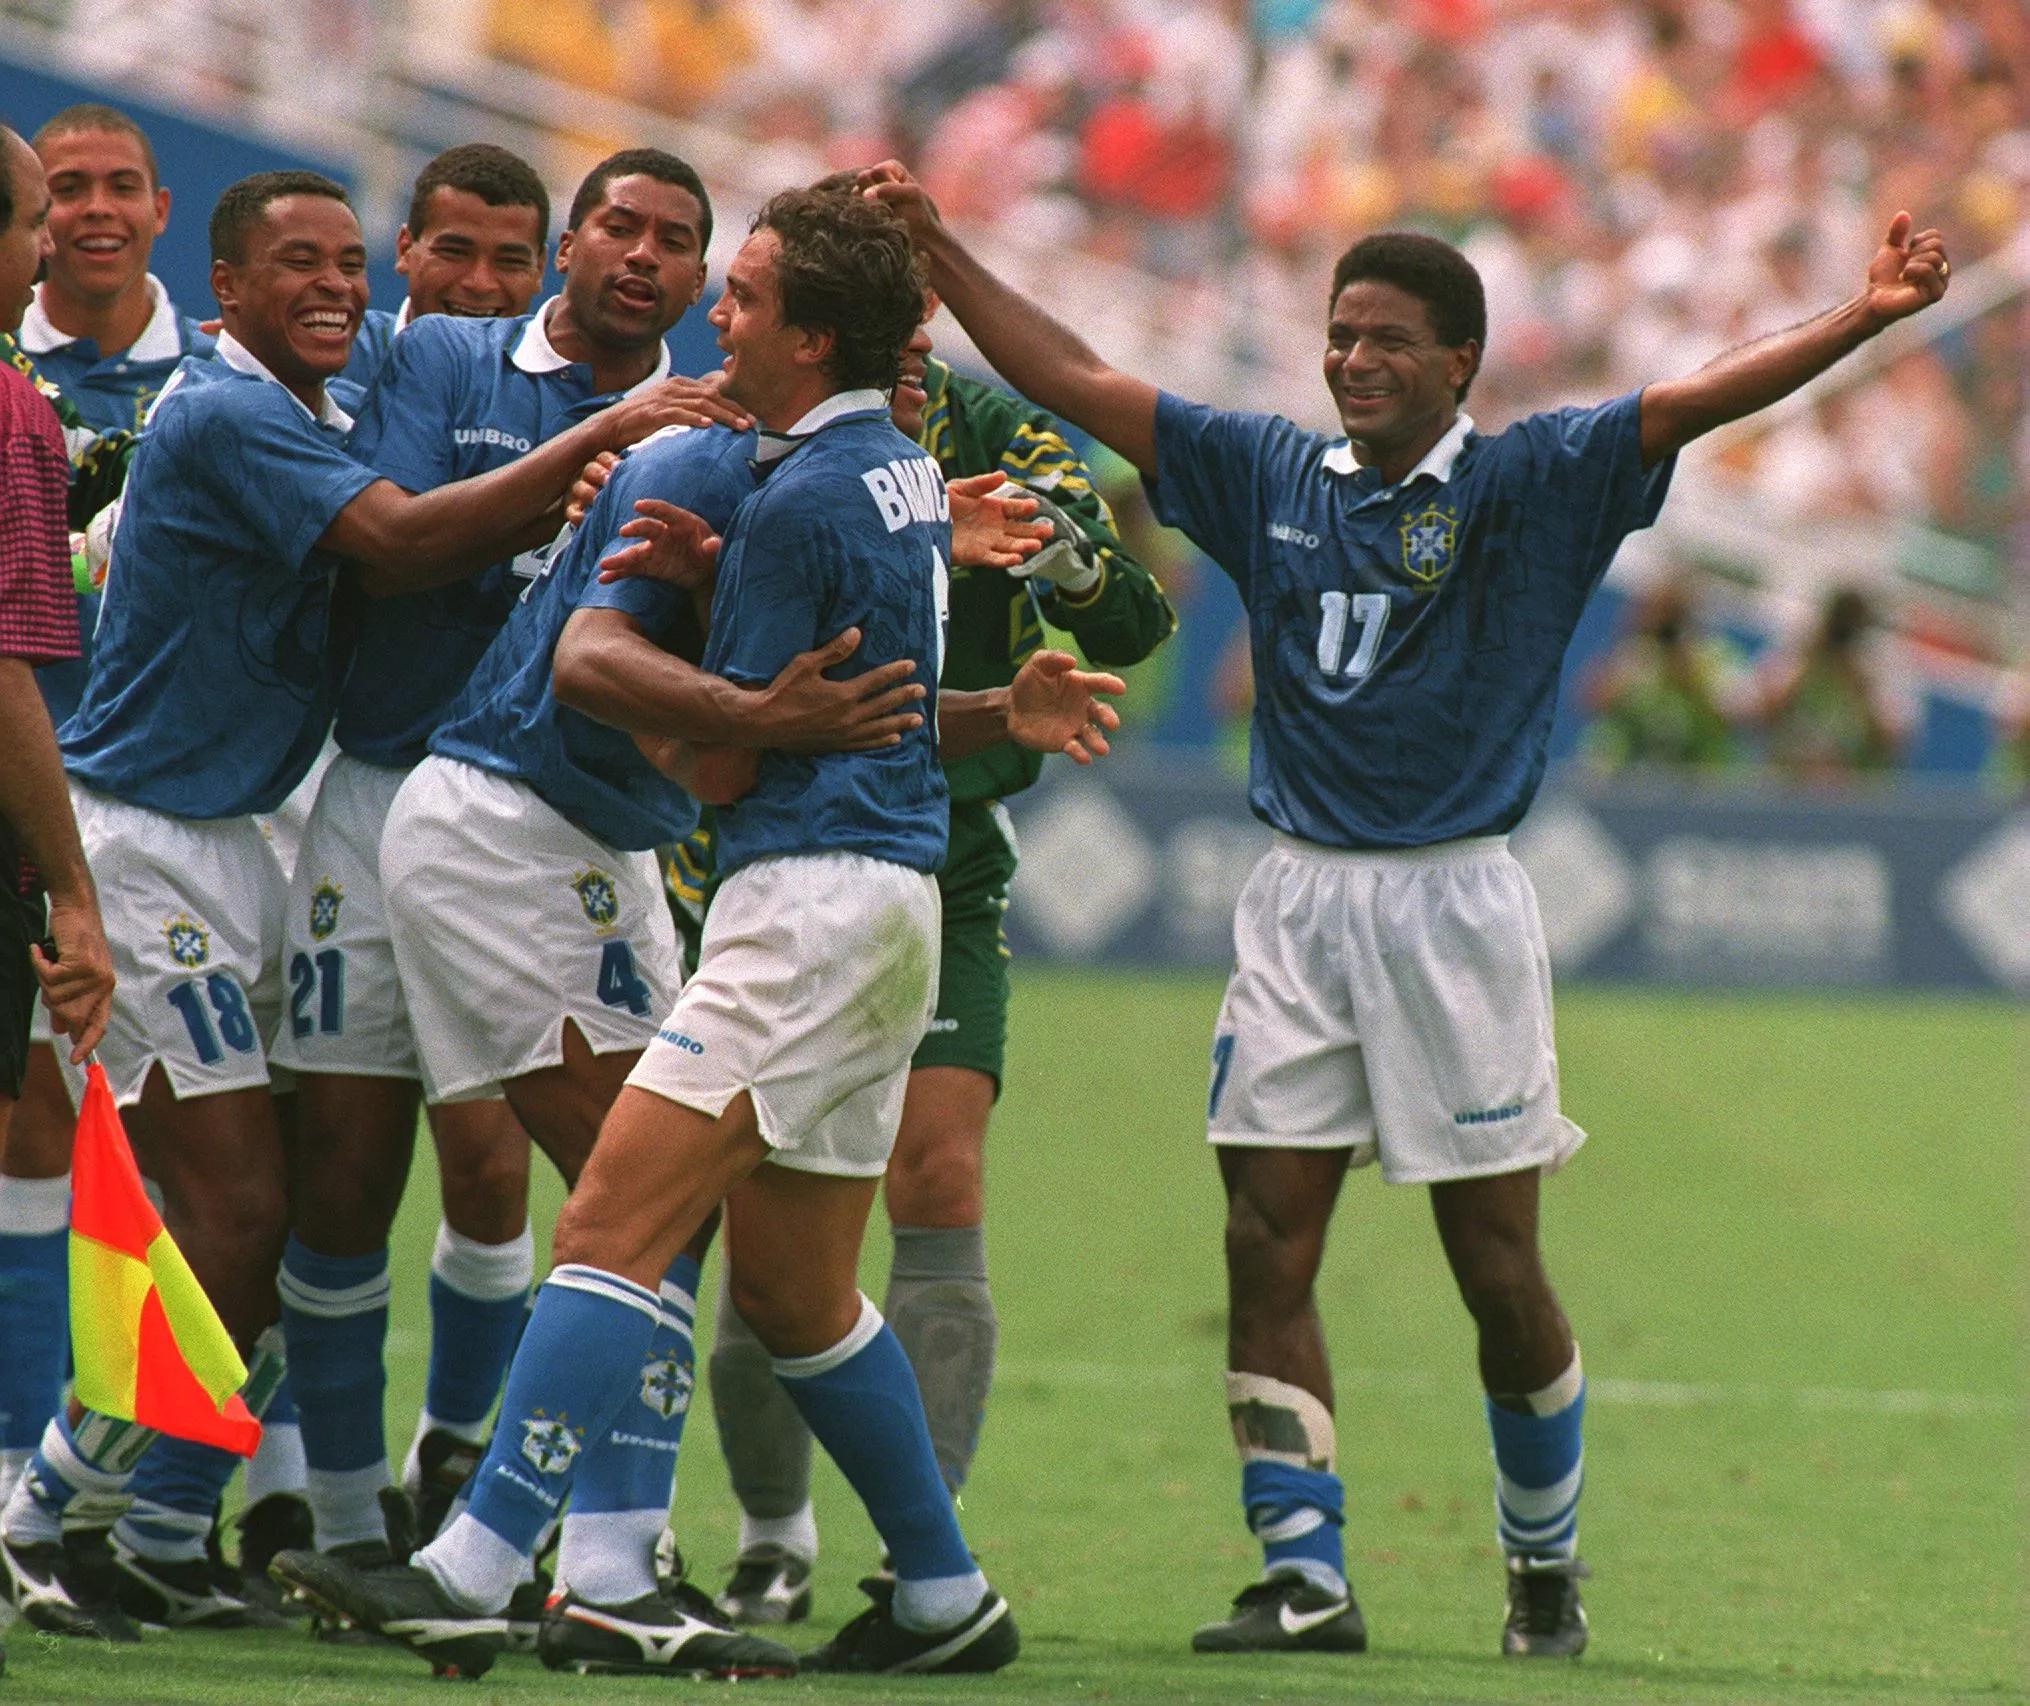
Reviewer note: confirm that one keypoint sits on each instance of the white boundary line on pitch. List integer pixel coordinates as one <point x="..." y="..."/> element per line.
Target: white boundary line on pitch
<point x="1607" y="1389"/>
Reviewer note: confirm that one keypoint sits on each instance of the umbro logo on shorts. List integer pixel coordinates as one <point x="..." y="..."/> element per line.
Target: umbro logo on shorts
<point x="1490" y="1116"/>
<point x="677" y="1039"/>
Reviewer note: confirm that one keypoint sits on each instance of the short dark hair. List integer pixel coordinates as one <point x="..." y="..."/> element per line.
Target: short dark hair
<point x="1432" y="271"/>
<point x="499" y="178"/>
<point x="92" y="115"/>
<point x="240" y="209"/>
<point x="641" y="163"/>
<point x="847" y="267"/>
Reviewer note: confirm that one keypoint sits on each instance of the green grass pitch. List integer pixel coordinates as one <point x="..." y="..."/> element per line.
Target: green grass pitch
<point x="1792" y="1252"/>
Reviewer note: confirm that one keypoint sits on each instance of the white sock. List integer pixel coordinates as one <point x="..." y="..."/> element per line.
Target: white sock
<point x="796" y="1534"/>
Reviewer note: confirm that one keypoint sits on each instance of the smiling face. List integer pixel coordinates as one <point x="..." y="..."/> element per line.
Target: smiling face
<point x="634" y="263"/>
<point x="910" y="399"/>
<point x="106" y="213"/>
<point x="297" y="298"/>
<point x="769" y="365"/>
<point x="1396" y="387"/>
<point x="25" y="242"/>
<point x="470" y="258"/>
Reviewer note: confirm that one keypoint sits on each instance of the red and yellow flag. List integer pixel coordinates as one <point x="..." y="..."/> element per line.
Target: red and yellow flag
<point x="148" y="1345"/>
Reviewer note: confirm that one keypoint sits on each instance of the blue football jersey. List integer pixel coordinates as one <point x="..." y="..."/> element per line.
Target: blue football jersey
<point x="113" y="393"/>
<point x="211" y="682"/>
<point x="508" y="720"/>
<point x="851" y="529"/>
<point x="455" y="398"/>
<point x="1406" y="640"/>
<point x="370" y="348"/>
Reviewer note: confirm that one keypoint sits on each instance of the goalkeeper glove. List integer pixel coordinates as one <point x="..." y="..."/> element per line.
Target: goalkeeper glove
<point x="1070" y="562"/>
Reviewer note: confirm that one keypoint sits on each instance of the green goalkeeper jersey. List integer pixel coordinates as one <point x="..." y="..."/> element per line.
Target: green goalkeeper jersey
<point x="997" y="619"/>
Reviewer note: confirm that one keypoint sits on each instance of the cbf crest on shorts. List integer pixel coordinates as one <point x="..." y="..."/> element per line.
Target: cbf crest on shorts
<point x="1429" y="538"/>
<point x="550" y="1442"/>
<point x="189" y="941"/>
<point x="600" y="897"/>
<point x="324" y="904"/>
<point x="666" y="1385"/>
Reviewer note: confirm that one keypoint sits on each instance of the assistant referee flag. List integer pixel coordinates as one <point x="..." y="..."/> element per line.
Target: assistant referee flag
<point x="148" y="1345"/>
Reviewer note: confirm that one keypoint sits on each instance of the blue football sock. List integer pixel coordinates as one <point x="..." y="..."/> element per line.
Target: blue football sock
<point x="479" y="1296"/>
<point x="621" y="1499"/>
<point x="579" y="1367"/>
<point x="1539" y="1465"/>
<point x="1298" y="1515"/>
<point x="176" y="1492"/>
<point x="861" y="1401"/>
<point x="335" y="1316"/>
<point x="34" y="1312"/>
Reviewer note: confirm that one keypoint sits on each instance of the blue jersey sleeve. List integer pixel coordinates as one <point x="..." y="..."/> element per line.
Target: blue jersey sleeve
<point x="404" y="429"/>
<point x="252" y="452"/>
<point x="770" y="595"/>
<point x="654" y="604"/>
<point x="1215" y="472"/>
<point x="1585" y="465"/>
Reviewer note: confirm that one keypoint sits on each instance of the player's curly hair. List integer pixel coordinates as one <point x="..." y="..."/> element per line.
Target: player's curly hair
<point x="847" y="267"/>
<point x="1432" y="271"/>
<point x="240" y="209"/>
<point x="499" y="178"/>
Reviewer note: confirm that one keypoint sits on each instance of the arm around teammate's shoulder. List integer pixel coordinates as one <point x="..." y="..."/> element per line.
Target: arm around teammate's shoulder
<point x="1042" y="358"/>
<point x="1908" y="273"/>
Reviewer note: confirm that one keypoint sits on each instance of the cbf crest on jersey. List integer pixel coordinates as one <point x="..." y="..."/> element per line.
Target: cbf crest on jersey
<point x="189" y="941"/>
<point x="324" y="904"/>
<point x="550" y="1442"/>
<point x="1430" y="536"/>
<point x="600" y="897"/>
<point x="666" y="1385"/>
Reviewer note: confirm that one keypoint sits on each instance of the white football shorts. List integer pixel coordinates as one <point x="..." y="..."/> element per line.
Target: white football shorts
<point x="345" y="1010"/>
<point x="1397" y="1004"/>
<point x="193" y="914"/>
<point x="507" y="919"/>
<point x="284" y="826"/>
<point x="816" y="979"/>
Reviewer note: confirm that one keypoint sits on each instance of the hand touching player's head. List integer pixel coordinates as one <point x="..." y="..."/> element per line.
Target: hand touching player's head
<point x="289" y="268"/>
<point x="825" y="296"/>
<point x="633" y="257"/>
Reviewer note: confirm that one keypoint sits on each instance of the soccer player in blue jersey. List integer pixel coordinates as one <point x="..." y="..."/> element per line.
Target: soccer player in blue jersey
<point x="208" y="698"/>
<point x="103" y="328"/>
<point x="1410" y="588"/>
<point x="776" y="1081"/>
<point x="456" y="397"/>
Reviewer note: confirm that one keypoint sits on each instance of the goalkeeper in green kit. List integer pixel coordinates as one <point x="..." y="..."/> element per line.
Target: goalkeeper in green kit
<point x="1082" y="582"/>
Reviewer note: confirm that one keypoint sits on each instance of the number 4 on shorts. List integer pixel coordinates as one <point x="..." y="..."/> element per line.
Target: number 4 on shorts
<point x="620" y="985"/>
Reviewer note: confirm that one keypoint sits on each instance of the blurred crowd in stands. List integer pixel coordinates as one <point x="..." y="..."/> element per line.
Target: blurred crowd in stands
<point x="1642" y="182"/>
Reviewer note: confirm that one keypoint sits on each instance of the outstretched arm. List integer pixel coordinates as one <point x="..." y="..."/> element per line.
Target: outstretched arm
<point x="406" y="542"/>
<point x="1908" y="273"/>
<point x="1043" y="359"/>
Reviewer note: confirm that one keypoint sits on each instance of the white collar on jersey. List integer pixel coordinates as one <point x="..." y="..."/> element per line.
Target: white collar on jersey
<point x="160" y="339"/>
<point x="402" y="316"/>
<point x="1438" y="460"/>
<point x="240" y="359"/>
<point x="534" y="353"/>
<point x="839" y="403"/>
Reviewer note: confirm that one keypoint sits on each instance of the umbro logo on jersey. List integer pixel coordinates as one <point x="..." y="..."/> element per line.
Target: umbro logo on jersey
<point x="1303" y="1622"/>
<point x="1288" y="535"/>
<point x="490" y="435"/>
